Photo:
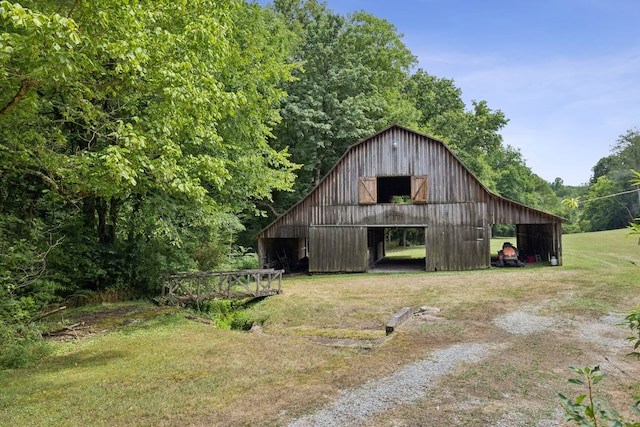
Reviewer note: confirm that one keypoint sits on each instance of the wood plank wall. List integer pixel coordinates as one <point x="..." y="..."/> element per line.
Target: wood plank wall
<point x="341" y="249"/>
<point x="457" y="217"/>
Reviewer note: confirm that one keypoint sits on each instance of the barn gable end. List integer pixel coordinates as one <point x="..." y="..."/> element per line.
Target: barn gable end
<point x="397" y="178"/>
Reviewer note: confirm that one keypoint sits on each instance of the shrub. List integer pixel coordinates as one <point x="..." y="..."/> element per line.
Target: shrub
<point x="227" y="314"/>
<point x="633" y="321"/>
<point x="21" y="345"/>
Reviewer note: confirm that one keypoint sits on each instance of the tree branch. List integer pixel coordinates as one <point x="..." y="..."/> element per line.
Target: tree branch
<point x="44" y="177"/>
<point x="270" y="206"/>
<point x="33" y="272"/>
<point x="48" y="313"/>
<point x="16" y="99"/>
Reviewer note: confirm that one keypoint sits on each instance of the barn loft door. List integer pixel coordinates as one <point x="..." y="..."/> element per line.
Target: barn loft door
<point x="368" y="190"/>
<point x="419" y="189"/>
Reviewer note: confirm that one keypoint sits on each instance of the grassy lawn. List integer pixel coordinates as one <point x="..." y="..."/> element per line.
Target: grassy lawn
<point x="326" y="333"/>
<point x="417" y="252"/>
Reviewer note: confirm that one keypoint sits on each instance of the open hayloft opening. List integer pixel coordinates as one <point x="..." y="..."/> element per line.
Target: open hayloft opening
<point x="394" y="189"/>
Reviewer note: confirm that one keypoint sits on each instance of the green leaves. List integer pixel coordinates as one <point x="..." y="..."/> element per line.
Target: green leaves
<point x="145" y="122"/>
<point x="354" y="69"/>
<point x="155" y="90"/>
<point x="633" y="321"/>
<point x="37" y="47"/>
<point x="588" y="410"/>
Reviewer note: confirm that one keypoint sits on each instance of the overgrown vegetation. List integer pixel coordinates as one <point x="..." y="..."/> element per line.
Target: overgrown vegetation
<point x="229" y="314"/>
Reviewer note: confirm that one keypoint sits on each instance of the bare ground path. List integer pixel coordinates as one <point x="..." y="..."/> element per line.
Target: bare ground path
<point x="373" y="402"/>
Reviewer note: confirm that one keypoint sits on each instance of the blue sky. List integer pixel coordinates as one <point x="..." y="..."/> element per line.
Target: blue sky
<point x="566" y="73"/>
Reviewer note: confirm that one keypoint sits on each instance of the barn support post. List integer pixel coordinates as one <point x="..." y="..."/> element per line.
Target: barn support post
<point x="262" y="260"/>
<point x="557" y="242"/>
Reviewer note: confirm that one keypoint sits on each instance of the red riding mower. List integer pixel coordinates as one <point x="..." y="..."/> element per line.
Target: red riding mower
<point x="508" y="256"/>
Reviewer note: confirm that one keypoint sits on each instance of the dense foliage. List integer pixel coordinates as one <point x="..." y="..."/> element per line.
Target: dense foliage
<point x="131" y="136"/>
<point x="611" y="199"/>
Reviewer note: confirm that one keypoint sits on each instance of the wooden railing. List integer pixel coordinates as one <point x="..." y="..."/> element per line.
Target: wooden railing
<point x="201" y="286"/>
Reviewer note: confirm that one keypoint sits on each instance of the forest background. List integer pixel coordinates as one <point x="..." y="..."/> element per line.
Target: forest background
<point x="144" y="137"/>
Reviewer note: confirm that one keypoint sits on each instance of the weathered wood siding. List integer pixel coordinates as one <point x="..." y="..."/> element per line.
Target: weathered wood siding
<point x="336" y="200"/>
<point x="458" y="239"/>
<point x="504" y="211"/>
<point x="338" y="249"/>
<point x="453" y="206"/>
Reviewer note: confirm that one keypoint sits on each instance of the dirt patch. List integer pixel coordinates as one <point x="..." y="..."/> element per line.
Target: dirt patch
<point x="101" y="319"/>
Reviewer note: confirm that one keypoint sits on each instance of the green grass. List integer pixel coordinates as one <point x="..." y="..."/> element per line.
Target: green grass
<point x="417" y="252"/>
<point x="413" y="252"/>
<point x="169" y="370"/>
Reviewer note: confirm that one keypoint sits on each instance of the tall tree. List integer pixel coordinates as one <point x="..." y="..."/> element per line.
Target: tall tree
<point x="434" y="97"/>
<point x="626" y="151"/>
<point x="139" y="123"/>
<point x="472" y="134"/>
<point x="603" y="210"/>
<point x="350" y="86"/>
<point x="614" y="173"/>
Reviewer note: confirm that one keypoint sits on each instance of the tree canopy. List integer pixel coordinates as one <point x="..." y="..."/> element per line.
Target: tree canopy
<point x="348" y="86"/>
<point x="132" y="135"/>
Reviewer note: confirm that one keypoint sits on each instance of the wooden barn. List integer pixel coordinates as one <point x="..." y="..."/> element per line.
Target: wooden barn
<point x="399" y="178"/>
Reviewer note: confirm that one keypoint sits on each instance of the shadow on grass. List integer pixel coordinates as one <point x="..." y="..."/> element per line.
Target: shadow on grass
<point x="84" y="358"/>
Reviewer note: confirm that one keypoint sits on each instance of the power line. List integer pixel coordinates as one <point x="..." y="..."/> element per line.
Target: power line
<point x="611" y="195"/>
<point x="575" y="202"/>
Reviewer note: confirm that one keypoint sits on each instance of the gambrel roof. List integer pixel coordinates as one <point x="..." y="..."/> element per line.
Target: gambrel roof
<point x="397" y="151"/>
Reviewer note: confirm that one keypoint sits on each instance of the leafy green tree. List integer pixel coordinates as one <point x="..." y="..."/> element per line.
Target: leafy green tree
<point x="137" y="131"/>
<point x="606" y="166"/>
<point x="627" y="152"/>
<point x="472" y="135"/>
<point x="433" y="97"/>
<point x="601" y="210"/>
<point x="567" y="198"/>
<point x="617" y="168"/>
<point x="350" y="86"/>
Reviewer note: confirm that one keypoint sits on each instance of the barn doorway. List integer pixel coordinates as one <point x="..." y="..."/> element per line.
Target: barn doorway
<point x="288" y="254"/>
<point x="536" y="243"/>
<point x="501" y="234"/>
<point x="396" y="249"/>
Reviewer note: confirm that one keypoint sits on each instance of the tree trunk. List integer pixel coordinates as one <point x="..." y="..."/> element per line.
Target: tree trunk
<point x="89" y="211"/>
<point x="107" y="217"/>
<point x="403" y="238"/>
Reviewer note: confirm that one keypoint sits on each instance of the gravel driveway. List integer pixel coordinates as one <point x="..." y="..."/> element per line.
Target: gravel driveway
<point x="359" y="405"/>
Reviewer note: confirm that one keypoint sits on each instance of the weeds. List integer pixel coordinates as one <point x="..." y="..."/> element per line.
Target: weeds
<point x="228" y="314"/>
<point x="588" y="409"/>
<point x="633" y="320"/>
